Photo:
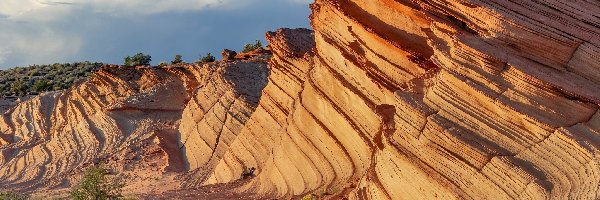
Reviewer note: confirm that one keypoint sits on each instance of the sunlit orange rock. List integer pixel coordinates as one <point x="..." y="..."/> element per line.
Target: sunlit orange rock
<point x="408" y="99"/>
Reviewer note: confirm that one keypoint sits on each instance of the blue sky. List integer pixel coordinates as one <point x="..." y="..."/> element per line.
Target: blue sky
<point x="46" y="31"/>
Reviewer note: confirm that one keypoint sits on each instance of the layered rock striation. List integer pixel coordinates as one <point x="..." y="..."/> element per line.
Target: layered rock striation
<point x="433" y="100"/>
<point x="130" y="119"/>
<point x="385" y="99"/>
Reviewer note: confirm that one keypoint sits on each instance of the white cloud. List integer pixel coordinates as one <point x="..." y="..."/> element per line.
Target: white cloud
<point x="36" y="43"/>
<point x="18" y="7"/>
<point x="53" y="9"/>
<point x="33" y="31"/>
<point x="3" y="54"/>
<point x="126" y="7"/>
<point x="47" y="31"/>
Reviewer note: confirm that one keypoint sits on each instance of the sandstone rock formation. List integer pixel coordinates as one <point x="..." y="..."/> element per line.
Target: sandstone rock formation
<point x="409" y="99"/>
<point x="228" y="54"/>
<point x="430" y="99"/>
<point x="128" y="118"/>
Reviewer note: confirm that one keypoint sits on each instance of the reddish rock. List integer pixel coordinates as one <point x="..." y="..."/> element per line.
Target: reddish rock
<point x="228" y="55"/>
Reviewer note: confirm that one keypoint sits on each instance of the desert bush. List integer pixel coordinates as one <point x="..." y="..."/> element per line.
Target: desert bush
<point x="178" y="59"/>
<point x="41" y="85"/>
<point x="97" y="185"/>
<point x="309" y="197"/>
<point x="19" y="88"/>
<point x="163" y="64"/>
<point x="248" y="173"/>
<point x="137" y="60"/>
<point x="206" y="59"/>
<point x="12" y="196"/>
<point x="252" y="47"/>
<point x="39" y="78"/>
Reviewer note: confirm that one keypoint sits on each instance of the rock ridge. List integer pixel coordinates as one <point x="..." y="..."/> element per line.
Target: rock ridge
<point x="408" y="99"/>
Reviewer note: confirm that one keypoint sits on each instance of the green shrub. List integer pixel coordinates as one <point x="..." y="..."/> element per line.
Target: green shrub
<point x="252" y="47"/>
<point x="19" y="88"/>
<point x="178" y="59"/>
<point x="309" y="197"/>
<point x="39" y="78"/>
<point x="138" y="59"/>
<point x="97" y="185"/>
<point x="41" y="85"/>
<point x="206" y="59"/>
<point x="163" y="64"/>
<point x="12" y="196"/>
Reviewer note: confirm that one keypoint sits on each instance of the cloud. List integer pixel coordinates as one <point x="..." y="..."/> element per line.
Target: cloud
<point x="48" y="31"/>
<point x="40" y="31"/>
<point x="3" y="54"/>
<point x="30" y="9"/>
<point x="53" y="3"/>
<point x="36" y="43"/>
<point x="11" y="8"/>
<point x="120" y="7"/>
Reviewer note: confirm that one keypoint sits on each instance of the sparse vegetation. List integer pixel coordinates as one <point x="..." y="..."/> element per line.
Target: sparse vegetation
<point x="178" y="59"/>
<point x="35" y="79"/>
<point x="329" y="192"/>
<point x="206" y="59"/>
<point x="97" y="184"/>
<point x="12" y="196"/>
<point x="21" y="81"/>
<point x="322" y="195"/>
<point x="252" y="47"/>
<point x="309" y="197"/>
<point x="248" y="173"/>
<point x="163" y="64"/>
<point x="138" y="60"/>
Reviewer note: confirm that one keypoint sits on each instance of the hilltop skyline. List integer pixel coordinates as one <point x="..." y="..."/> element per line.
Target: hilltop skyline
<point x="44" y="32"/>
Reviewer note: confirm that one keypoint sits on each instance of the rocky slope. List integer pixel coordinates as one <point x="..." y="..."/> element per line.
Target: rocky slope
<point x="407" y="99"/>
<point x="430" y="99"/>
<point x="128" y="118"/>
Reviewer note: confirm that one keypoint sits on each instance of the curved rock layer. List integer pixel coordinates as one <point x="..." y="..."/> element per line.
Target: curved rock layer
<point x="429" y="100"/>
<point x="130" y="119"/>
<point x="405" y="99"/>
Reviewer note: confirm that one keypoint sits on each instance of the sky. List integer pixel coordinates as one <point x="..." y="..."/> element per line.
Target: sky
<point x="59" y="31"/>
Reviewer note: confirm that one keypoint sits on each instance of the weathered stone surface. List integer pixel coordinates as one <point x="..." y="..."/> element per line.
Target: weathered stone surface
<point x="228" y="54"/>
<point x="407" y="99"/>
<point x="490" y="100"/>
<point x="148" y="123"/>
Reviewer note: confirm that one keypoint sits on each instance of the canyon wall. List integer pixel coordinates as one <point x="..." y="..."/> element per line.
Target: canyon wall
<point x="129" y="119"/>
<point x="406" y="99"/>
<point x="430" y="100"/>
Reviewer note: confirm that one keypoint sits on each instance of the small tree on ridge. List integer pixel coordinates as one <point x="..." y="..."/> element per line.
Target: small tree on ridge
<point x="252" y="47"/>
<point x="138" y="59"/>
<point x="178" y="59"/>
<point x="206" y="59"/>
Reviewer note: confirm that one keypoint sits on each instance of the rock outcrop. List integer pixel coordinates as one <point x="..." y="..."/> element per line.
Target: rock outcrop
<point x="130" y="119"/>
<point x="228" y="54"/>
<point x="429" y="100"/>
<point x="408" y="99"/>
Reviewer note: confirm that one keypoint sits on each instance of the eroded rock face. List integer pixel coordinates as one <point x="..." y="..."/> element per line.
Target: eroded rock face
<point x="228" y="54"/>
<point x="429" y="100"/>
<point x="145" y="122"/>
<point x="383" y="100"/>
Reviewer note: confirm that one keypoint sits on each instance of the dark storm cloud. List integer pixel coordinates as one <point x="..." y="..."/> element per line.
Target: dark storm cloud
<point x="108" y="38"/>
